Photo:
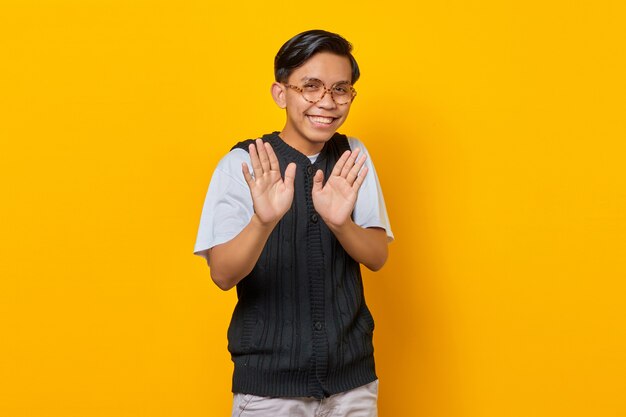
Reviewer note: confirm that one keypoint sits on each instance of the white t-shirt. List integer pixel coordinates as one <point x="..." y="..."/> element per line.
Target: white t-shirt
<point x="228" y="204"/>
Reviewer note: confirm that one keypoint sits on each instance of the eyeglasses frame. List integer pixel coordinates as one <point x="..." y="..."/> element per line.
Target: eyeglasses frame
<point x="326" y="90"/>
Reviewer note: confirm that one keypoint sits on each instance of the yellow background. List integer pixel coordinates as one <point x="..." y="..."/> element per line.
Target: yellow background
<point x="497" y="129"/>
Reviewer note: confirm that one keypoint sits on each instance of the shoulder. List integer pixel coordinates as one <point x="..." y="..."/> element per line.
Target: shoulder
<point x="244" y="144"/>
<point x="230" y="164"/>
<point x="357" y="143"/>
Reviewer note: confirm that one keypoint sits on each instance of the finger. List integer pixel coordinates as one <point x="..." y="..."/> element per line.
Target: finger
<point x="340" y="163"/>
<point x="350" y="163"/>
<point x="290" y="175"/>
<point x="318" y="180"/>
<point x="274" y="166"/>
<point x="354" y="172"/>
<point x="254" y="160"/>
<point x="246" y="174"/>
<point x="359" y="180"/>
<point x="265" y="160"/>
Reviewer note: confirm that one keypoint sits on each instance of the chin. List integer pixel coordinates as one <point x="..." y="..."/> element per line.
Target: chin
<point x="318" y="137"/>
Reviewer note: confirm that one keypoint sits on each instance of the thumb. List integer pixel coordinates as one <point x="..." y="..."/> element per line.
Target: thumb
<point x="290" y="175"/>
<point x="318" y="179"/>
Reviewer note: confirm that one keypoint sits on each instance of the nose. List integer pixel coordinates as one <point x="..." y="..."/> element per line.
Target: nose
<point x="327" y="101"/>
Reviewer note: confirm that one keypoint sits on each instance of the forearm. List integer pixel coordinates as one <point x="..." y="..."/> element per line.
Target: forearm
<point x="367" y="246"/>
<point x="231" y="261"/>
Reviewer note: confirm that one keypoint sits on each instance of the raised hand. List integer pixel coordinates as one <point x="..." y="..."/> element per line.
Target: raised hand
<point x="271" y="195"/>
<point x="335" y="200"/>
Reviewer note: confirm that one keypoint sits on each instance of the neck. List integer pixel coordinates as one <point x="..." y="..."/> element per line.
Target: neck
<point x="299" y="143"/>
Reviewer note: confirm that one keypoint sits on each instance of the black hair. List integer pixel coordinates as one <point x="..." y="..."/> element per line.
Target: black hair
<point x="297" y="50"/>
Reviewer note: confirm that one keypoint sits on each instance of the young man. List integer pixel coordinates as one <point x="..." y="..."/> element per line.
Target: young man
<point x="291" y="236"/>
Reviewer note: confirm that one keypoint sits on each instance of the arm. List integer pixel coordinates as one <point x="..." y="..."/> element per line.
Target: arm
<point x="335" y="200"/>
<point x="365" y="245"/>
<point x="231" y="261"/>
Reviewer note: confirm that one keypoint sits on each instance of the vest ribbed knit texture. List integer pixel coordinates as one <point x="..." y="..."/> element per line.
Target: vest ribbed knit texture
<point x="301" y="327"/>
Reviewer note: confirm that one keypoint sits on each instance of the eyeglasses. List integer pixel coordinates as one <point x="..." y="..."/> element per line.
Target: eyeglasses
<point x="314" y="91"/>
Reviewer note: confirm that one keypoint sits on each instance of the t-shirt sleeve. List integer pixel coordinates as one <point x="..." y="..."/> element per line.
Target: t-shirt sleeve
<point x="227" y="206"/>
<point x="370" y="209"/>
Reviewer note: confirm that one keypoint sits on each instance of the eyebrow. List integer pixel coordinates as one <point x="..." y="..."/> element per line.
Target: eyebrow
<point x="303" y="79"/>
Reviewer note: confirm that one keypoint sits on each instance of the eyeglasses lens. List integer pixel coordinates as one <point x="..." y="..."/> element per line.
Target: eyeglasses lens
<point x="342" y="93"/>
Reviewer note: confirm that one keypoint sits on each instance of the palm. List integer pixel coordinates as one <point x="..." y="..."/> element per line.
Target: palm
<point x="271" y="195"/>
<point x="335" y="200"/>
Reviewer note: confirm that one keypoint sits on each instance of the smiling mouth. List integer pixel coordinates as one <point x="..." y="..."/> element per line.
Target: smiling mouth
<point x="321" y="119"/>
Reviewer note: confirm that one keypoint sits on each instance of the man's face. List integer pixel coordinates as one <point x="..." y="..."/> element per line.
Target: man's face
<point x="310" y="125"/>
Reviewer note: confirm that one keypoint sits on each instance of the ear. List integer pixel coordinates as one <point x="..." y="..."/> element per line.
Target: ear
<point x="279" y="94"/>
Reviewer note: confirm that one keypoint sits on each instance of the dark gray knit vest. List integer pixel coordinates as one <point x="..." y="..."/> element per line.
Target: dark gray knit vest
<point x="301" y="327"/>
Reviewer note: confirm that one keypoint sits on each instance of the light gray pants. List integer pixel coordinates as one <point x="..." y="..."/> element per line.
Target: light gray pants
<point x="359" y="402"/>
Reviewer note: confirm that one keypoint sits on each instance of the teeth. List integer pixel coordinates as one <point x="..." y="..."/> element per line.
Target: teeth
<point x="320" y="119"/>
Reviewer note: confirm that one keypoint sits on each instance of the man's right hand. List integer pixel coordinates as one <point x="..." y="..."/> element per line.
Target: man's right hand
<point x="271" y="195"/>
